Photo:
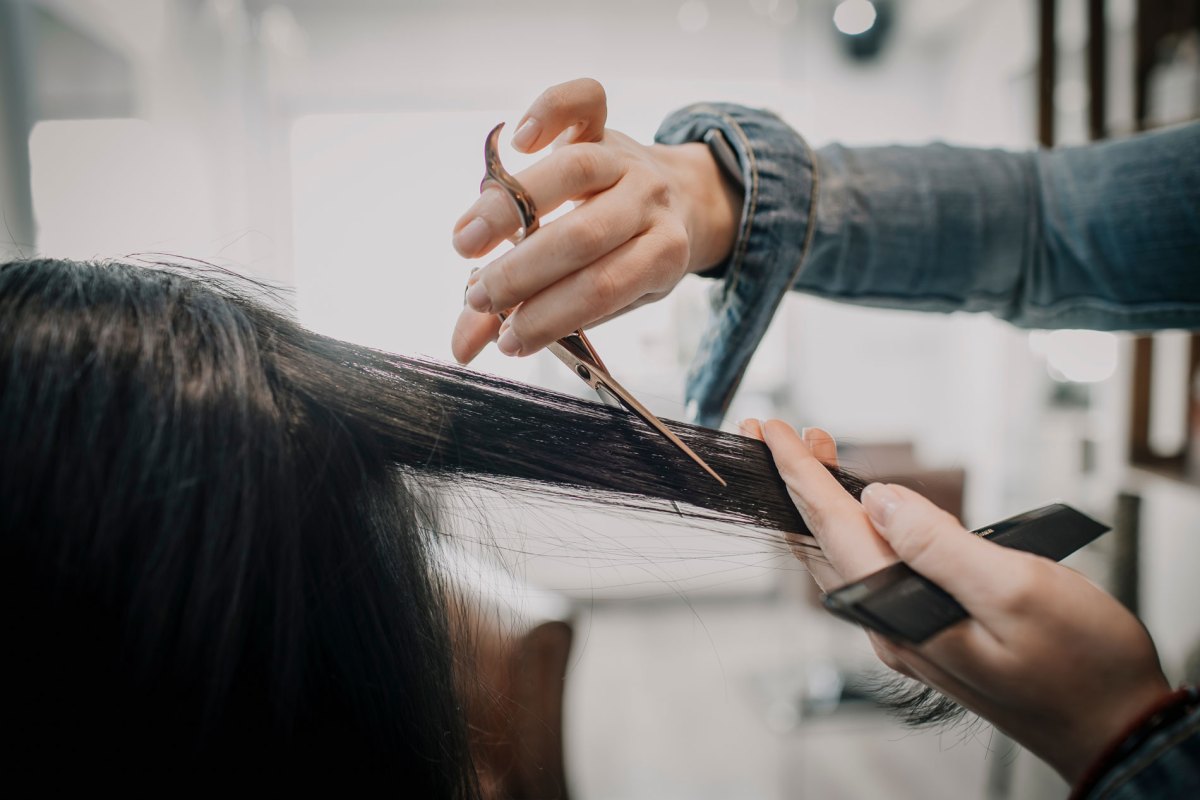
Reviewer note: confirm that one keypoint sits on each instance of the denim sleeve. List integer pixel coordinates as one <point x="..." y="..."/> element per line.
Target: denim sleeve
<point x="1104" y="236"/>
<point x="1165" y="765"/>
<point x="779" y="180"/>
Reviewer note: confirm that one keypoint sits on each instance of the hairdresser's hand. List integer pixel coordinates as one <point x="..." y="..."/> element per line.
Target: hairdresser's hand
<point x="1046" y="655"/>
<point x="645" y="217"/>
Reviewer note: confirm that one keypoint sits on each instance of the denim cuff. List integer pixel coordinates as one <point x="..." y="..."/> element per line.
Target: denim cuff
<point x="1167" y="764"/>
<point x="780" y="180"/>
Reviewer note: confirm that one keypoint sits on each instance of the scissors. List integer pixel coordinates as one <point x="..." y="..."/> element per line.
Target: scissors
<point x="574" y="349"/>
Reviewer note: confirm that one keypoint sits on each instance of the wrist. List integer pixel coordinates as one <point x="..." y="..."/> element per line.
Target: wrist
<point x="1166" y="711"/>
<point x="1101" y="735"/>
<point x="712" y="204"/>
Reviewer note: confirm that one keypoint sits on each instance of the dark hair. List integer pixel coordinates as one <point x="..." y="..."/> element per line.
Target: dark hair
<point x="218" y="535"/>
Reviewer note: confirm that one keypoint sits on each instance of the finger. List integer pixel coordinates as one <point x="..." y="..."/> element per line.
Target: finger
<point x="612" y="282"/>
<point x="751" y="428"/>
<point x="579" y="104"/>
<point x="968" y="651"/>
<point x="472" y="332"/>
<point x="834" y="517"/>
<point x="646" y="299"/>
<point x="912" y="664"/>
<point x="562" y="247"/>
<point x="570" y="173"/>
<point x="822" y="445"/>
<point x="931" y="674"/>
<point x="932" y="542"/>
<point x="803" y="546"/>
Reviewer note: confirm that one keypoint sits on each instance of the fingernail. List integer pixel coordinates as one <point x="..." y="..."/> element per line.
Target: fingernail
<point x="880" y="501"/>
<point x="477" y="297"/>
<point x="527" y="134"/>
<point x="751" y="427"/>
<point x="509" y="344"/>
<point x="472" y="237"/>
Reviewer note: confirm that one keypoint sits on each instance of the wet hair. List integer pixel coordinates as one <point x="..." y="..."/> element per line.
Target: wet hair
<point x="209" y="566"/>
<point x="218" y="530"/>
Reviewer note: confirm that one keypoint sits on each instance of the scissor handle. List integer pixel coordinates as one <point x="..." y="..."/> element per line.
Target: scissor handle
<point x="580" y="348"/>
<point x="577" y="353"/>
<point x="494" y="172"/>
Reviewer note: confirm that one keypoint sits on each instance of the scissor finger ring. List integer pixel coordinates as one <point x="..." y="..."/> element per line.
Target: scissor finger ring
<point x="495" y="173"/>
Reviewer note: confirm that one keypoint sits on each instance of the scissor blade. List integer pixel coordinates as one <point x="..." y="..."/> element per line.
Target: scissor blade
<point x="654" y="422"/>
<point x="630" y="402"/>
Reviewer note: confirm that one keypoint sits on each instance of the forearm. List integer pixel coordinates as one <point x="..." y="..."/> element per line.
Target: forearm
<point x="1106" y="236"/>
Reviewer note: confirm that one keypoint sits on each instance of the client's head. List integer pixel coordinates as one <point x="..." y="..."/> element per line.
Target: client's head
<point x="208" y="563"/>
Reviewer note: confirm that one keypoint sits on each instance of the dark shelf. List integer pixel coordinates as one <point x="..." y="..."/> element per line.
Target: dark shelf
<point x="1174" y="473"/>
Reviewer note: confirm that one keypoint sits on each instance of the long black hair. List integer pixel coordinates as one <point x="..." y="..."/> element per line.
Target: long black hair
<point x="217" y="535"/>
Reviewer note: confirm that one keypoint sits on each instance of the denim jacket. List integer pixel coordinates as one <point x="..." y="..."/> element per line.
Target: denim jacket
<point x="1104" y="236"/>
<point x="1166" y="765"/>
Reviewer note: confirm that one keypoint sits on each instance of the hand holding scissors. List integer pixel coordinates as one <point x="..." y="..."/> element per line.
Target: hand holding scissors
<point x="573" y="349"/>
<point x="646" y="216"/>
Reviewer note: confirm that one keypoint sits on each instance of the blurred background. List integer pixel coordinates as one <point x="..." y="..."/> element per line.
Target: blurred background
<point x="330" y="146"/>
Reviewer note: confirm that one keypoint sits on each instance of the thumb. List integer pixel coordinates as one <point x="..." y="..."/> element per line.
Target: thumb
<point x="934" y="544"/>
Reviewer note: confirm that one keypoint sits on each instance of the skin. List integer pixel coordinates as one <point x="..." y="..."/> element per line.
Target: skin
<point x="1046" y="655"/>
<point x="645" y="216"/>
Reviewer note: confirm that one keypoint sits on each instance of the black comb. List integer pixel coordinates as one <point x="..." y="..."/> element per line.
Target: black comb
<point x="907" y="607"/>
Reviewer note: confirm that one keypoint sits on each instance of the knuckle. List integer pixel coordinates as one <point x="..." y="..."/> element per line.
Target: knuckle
<point x="914" y="545"/>
<point x="656" y="191"/>
<point x="584" y="166"/>
<point x="592" y="89"/>
<point x="587" y="235"/>
<point x="528" y="325"/>
<point x="604" y="289"/>
<point x="502" y="285"/>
